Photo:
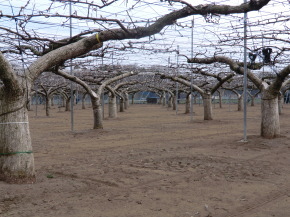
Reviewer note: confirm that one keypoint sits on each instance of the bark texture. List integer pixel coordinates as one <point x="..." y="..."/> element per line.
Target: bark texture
<point x="240" y="102"/>
<point x="270" y="125"/>
<point x="97" y="113"/>
<point x="112" y="106"/>
<point x="207" y="105"/>
<point x="16" y="156"/>
<point x="187" y="104"/>
<point x="126" y="96"/>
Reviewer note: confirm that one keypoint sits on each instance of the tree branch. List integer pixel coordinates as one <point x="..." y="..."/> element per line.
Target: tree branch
<point x="233" y="66"/>
<point x="8" y="77"/>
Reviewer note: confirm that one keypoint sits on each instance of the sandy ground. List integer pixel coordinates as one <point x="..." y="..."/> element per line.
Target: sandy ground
<point x="151" y="162"/>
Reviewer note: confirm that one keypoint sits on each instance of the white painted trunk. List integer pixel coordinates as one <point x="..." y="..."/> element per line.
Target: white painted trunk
<point x="83" y="101"/>
<point x="112" y="107"/>
<point x="51" y="101"/>
<point x="126" y="104"/>
<point x="220" y="101"/>
<point x="207" y="106"/>
<point x="98" y="113"/>
<point x="16" y="157"/>
<point x="270" y="124"/>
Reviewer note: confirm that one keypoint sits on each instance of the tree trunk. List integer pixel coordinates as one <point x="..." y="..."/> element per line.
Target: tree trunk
<point x="98" y="113"/>
<point x="51" y="101"/>
<point x="47" y="102"/>
<point x="63" y="101"/>
<point x="174" y="103"/>
<point x="170" y="102"/>
<point x="207" y="106"/>
<point x="83" y="101"/>
<point x="67" y="104"/>
<point x="112" y="106"/>
<point x="159" y="100"/>
<point x="122" y="105"/>
<point x="163" y="100"/>
<point x="240" y="102"/>
<point x="270" y="124"/>
<point x="132" y="100"/>
<point x="16" y="157"/>
<point x="126" y="104"/>
<point x="220" y="100"/>
<point x="29" y="105"/>
<point x="187" y="104"/>
<point x="252" y="100"/>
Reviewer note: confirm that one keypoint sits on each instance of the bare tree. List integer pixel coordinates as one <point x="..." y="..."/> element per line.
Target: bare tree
<point x="205" y="91"/>
<point x="270" y="124"/>
<point x="16" y="159"/>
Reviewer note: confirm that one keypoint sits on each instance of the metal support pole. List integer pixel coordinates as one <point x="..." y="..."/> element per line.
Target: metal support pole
<point x="245" y="76"/>
<point x="176" y="94"/>
<point x="103" y="95"/>
<point x="191" y="74"/>
<point x="71" y="72"/>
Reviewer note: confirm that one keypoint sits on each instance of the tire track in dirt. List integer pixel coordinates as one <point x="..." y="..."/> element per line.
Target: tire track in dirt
<point x="249" y="209"/>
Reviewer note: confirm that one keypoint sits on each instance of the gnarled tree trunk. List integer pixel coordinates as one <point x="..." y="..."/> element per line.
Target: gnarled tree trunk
<point x="97" y="113"/>
<point x="270" y="123"/>
<point x="207" y="106"/>
<point x="126" y="97"/>
<point x="112" y="106"/>
<point x="16" y="156"/>
<point x="240" y="102"/>
<point x="67" y="104"/>
<point x="84" y="100"/>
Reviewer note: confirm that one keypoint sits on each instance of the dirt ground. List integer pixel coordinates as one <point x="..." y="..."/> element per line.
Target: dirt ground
<point x="151" y="162"/>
